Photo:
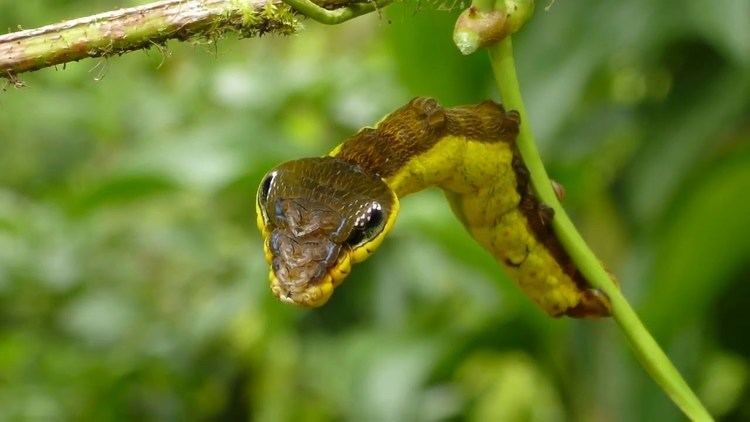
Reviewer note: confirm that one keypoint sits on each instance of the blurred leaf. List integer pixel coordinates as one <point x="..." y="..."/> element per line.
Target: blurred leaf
<point x="121" y="190"/>
<point x="727" y="23"/>
<point x="684" y="135"/>
<point x="688" y="273"/>
<point x="426" y="60"/>
<point x="725" y="377"/>
<point x="508" y="387"/>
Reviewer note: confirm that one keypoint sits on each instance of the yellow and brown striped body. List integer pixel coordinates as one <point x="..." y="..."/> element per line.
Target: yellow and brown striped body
<point x="467" y="151"/>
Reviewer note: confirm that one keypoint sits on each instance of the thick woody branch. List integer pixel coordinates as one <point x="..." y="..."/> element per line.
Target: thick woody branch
<point x="120" y="31"/>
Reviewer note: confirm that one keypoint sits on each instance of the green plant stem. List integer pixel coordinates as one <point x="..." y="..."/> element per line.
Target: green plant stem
<point x="335" y="16"/>
<point x="648" y="352"/>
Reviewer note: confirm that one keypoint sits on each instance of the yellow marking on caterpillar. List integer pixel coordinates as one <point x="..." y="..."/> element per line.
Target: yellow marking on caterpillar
<point x="482" y="183"/>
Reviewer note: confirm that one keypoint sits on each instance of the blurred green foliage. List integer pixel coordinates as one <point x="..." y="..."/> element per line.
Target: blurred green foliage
<point x="132" y="282"/>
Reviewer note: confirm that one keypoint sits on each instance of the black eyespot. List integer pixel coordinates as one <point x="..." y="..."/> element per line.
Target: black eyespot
<point x="356" y="237"/>
<point x="368" y="226"/>
<point x="265" y="187"/>
<point x="376" y="217"/>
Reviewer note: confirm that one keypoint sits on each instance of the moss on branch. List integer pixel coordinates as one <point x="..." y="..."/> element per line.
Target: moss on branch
<point x="124" y="30"/>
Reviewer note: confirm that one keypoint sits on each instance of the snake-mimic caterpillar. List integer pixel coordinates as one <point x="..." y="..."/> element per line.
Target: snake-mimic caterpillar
<point x="320" y="215"/>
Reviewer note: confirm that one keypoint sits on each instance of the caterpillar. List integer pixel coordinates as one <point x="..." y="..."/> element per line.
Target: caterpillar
<point x="319" y="216"/>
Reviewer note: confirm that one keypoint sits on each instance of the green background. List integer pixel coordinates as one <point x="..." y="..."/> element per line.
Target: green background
<point x="132" y="281"/>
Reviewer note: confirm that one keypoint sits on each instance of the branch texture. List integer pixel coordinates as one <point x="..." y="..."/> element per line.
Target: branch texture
<point x="120" y="31"/>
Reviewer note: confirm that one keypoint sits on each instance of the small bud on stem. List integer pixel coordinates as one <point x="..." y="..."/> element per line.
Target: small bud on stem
<point x="480" y="27"/>
<point x="475" y="29"/>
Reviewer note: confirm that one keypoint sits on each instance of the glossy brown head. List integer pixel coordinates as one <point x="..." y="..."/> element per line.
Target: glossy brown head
<point x="318" y="216"/>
